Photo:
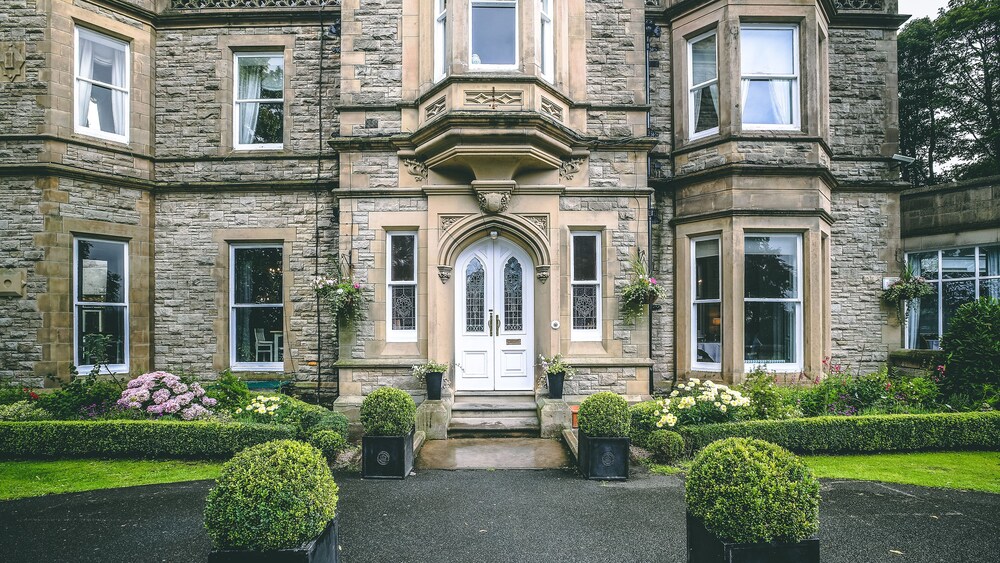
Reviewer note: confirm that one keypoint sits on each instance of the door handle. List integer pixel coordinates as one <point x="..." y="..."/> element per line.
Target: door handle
<point x="498" y="325"/>
<point x="491" y="323"/>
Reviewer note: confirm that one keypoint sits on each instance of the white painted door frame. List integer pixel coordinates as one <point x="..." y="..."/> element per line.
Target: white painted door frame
<point x="494" y="339"/>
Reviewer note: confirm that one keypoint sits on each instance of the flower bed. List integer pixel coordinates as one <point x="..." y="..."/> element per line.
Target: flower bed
<point x="845" y="434"/>
<point x="133" y="439"/>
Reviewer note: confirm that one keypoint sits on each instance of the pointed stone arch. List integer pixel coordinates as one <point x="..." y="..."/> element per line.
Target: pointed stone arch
<point x="523" y="232"/>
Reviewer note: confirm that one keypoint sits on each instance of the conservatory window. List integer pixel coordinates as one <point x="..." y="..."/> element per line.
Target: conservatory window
<point x="772" y="301"/>
<point x="493" y="38"/>
<point x="402" y="288"/>
<point x="770" y="76"/>
<point x="706" y="304"/>
<point x="102" y="86"/>
<point x="703" y="96"/>
<point x="259" y="107"/>
<point x="100" y="296"/>
<point x="256" y="296"/>
<point x="958" y="276"/>
<point x="585" y="255"/>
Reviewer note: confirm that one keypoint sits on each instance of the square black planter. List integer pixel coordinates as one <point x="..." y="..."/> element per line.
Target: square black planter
<point x="603" y="459"/>
<point x="386" y="457"/>
<point x="323" y="549"/>
<point x="704" y="547"/>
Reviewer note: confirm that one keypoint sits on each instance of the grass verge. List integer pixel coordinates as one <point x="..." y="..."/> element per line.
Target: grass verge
<point x="974" y="471"/>
<point x="20" y="479"/>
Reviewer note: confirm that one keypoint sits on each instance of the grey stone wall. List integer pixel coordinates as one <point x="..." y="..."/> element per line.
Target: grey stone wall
<point x="861" y="237"/>
<point x="863" y="119"/>
<point x="951" y="208"/>
<point x="20" y="113"/>
<point x="613" y="43"/>
<point x="588" y="381"/>
<point x="20" y="319"/>
<point x="662" y="352"/>
<point x="189" y="290"/>
<point x="380" y="78"/>
<point x="661" y="98"/>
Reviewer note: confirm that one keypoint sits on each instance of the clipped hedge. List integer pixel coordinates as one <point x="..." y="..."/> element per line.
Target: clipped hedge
<point x="845" y="434"/>
<point x="133" y="438"/>
<point x="644" y="417"/>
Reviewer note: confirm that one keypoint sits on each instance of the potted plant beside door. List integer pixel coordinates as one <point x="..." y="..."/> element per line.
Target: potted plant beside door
<point x="557" y="371"/>
<point x="432" y="375"/>
<point x="750" y="501"/>
<point x="603" y="440"/>
<point x="388" y="416"/>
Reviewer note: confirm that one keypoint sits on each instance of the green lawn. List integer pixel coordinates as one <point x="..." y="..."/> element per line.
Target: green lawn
<point x="975" y="471"/>
<point x="20" y="479"/>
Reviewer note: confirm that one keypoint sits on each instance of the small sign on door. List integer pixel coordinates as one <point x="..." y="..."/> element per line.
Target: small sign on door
<point x="513" y="342"/>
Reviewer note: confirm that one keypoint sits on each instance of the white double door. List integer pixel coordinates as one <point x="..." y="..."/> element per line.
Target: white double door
<point x="494" y="320"/>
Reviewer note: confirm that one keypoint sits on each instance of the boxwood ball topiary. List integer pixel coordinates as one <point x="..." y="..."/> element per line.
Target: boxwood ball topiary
<point x="330" y="442"/>
<point x="604" y="414"/>
<point x="665" y="445"/>
<point x="752" y="491"/>
<point x="275" y="495"/>
<point x="644" y="417"/>
<point x="387" y="411"/>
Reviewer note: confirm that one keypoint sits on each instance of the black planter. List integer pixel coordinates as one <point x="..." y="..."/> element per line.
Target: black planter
<point x="323" y="549"/>
<point x="604" y="459"/>
<point x="433" y="380"/>
<point x="556" y="381"/>
<point x="386" y="457"/>
<point x="704" y="547"/>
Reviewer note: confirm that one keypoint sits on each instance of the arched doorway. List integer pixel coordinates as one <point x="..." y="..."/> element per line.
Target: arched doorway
<point x="494" y="318"/>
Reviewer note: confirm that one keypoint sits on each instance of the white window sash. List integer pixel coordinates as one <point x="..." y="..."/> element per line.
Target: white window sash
<point x="795" y="365"/>
<point x="692" y="110"/>
<point x="82" y="85"/>
<point x="517" y="36"/>
<point x="695" y="364"/>
<point x="440" y="40"/>
<point x="583" y="334"/>
<point x="237" y="101"/>
<point x="77" y="351"/>
<point x="391" y="334"/>
<point x="234" y="306"/>
<point x="547" y="40"/>
<point x="745" y="78"/>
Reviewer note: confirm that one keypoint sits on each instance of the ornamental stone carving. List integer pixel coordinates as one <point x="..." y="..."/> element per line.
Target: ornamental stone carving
<point x="863" y="5"/>
<point x="229" y="4"/>
<point x="416" y="168"/>
<point x="493" y="202"/>
<point x="570" y="167"/>
<point x="12" y="61"/>
<point x="444" y="273"/>
<point x="448" y="221"/>
<point x="542" y="273"/>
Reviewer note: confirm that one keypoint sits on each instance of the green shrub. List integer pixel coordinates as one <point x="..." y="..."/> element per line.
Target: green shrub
<point x="387" y="411"/>
<point x="84" y="396"/>
<point x="287" y="410"/>
<point x="767" y="402"/>
<point x="972" y="346"/>
<point x="334" y="421"/>
<point x="879" y="433"/>
<point x="330" y="442"/>
<point x="843" y="394"/>
<point x="643" y="417"/>
<point x="13" y="393"/>
<point x="133" y="439"/>
<point x="702" y="402"/>
<point x="276" y="495"/>
<point x="22" y="411"/>
<point x="751" y="491"/>
<point x="230" y="391"/>
<point x="604" y="414"/>
<point x="665" y="445"/>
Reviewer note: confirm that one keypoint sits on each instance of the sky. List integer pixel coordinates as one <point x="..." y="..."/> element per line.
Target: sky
<point x="921" y="8"/>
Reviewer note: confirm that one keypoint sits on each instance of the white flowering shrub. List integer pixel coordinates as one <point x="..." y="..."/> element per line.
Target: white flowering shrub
<point x="261" y="408"/>
<point x="701" y="402"/>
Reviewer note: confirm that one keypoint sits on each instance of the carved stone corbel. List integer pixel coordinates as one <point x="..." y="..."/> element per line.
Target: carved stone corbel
<point x="416" y="168"/>
<point x="570" y="167"/>
<point x="542" y="273"/>
<point x="444" y="273"/>
<point x="493" y="195"/>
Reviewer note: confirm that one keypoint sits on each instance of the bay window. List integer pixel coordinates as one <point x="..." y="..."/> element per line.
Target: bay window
<point x="100" y="298"/>
<point x="546" y="41"/>
<point x="493" y="34"/>
<point x="769" y="82"/>
<point x="259" y="100"/>
<point x="703" y="95"/>
<point x="706" y="304"/>
<point x="585" y="252"/>
<point x="440" y="39"/>
<point x="101" y="86"/>
<point x="958" y="276"/>
<point x="256" y="300"/>
<point x="402" y="288"/>
<point x="772" y="302"/>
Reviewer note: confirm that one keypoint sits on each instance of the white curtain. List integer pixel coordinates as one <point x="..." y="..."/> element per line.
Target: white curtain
<point x="86" y="64"/>
<point x="745" y="91"/>
<point x="913" y="324"/>
<point x="992" y="288"/>
<point x="249" y="88"/>
<point x="119" y="98"/>
<point x="780" y="102"/>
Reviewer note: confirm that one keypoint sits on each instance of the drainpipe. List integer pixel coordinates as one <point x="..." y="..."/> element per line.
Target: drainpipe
<point x="652" y="30"/>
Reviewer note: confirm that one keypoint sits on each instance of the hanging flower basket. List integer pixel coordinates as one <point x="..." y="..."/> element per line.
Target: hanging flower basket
<point x="902" y="293"/>
<point x="642" y="291"/>
<point x="347" y="299"/>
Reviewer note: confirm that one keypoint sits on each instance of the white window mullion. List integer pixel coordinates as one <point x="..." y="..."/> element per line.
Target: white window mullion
<point x="401" y="291"/>
<point x="586" y="304"/>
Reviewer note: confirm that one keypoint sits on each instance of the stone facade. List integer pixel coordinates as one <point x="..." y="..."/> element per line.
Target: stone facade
<point x="374" y="142"/>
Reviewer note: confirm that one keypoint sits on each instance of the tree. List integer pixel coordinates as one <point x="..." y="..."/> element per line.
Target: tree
<point x="968" y="37"/>
<point x="920" y="120"/>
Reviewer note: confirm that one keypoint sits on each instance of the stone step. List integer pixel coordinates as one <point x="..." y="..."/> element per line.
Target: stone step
<point x="527" y="414"/>
<point x="480" y="403"/>
<point x="493" y="427"/>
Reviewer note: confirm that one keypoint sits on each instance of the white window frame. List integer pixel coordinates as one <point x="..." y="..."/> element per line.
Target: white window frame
<point x="695" y="364"/>
<point x="586" y="335"/>
<point x="546" y="39"/>
<point x="233" y="306"/>
<point x="440" y="39"/>
<point x="114" y="43"/>
<point x="795" y="78"/>
<point x="237" y="145"/>
<point x="692" y="118"/>
<point x="391" y="334"/>
<point x="517" y="35"/>
<point x="798" y="301"/>
<point x="77" y="351"/>
<point x="938" y="283"/>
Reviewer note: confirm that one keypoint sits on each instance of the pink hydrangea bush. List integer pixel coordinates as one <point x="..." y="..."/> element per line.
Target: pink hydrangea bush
<point x="161" y="393"/>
